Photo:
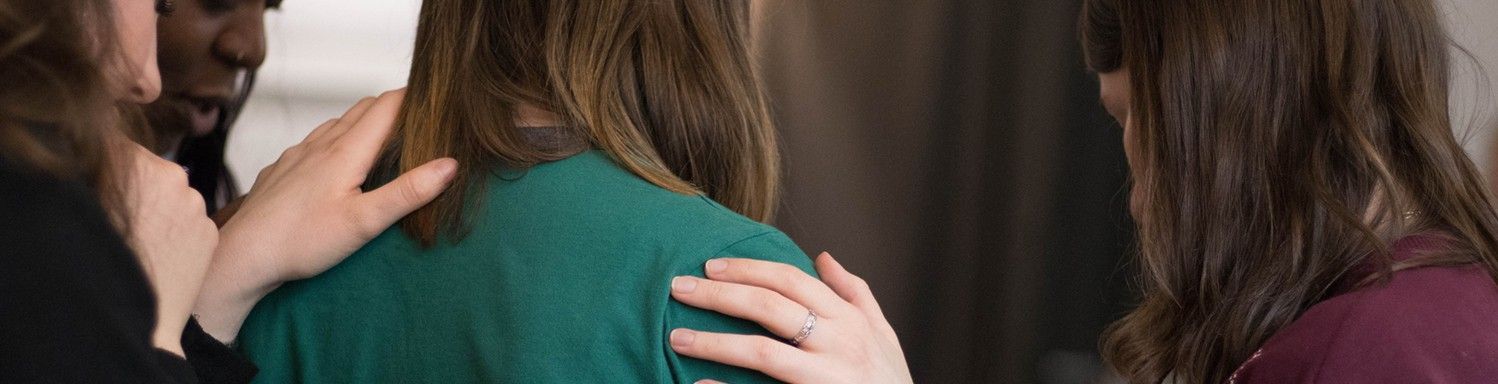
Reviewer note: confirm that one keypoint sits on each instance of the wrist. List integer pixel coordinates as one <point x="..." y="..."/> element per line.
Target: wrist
<point x="245" y="266"/>
<point x="237" y="279"/>
<point x="168" y="336"/>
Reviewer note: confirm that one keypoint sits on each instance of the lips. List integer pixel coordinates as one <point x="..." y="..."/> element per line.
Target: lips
<point x="203" y="113"/>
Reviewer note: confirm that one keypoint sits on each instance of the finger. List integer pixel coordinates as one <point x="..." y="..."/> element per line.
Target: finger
<point x="847" y="285"/>
<point x="710" y="381"/>
<point x="776" y="313"/>
<point x="378" y="209"/>
<point x="851" y="288"/>
<point x="350" y="118"/>
<point x="774" y="358"/>
<point x="353" y="114"/>
<point x="367" y="134"/>
<point x="785" y="279"/>
<point x="320" y="132"/>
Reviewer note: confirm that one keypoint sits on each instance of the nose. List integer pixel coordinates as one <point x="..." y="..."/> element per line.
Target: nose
<point x="242" y="42"/>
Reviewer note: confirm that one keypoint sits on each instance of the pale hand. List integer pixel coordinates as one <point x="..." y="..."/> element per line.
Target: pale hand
<point x="173" y="238"/>
<point x="850" y="343"/>
<point x="306" y="212"/>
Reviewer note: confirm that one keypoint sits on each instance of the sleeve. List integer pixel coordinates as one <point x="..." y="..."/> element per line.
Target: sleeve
<point x="770" y="246"/>
<point x="212" y="361"/>
<point x="75" y="305"/>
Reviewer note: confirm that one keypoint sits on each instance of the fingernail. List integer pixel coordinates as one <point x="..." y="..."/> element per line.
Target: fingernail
<point x="824" y="254"/>
<point x="683" y="284"/>
<point x="716" y="265"/>
<point x="682" y="338"/>
<point x="447" y="168"/>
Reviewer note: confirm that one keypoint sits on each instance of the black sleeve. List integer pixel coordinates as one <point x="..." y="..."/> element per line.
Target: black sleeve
<point x="213" y="361"/>
<point x="75" y="305"/>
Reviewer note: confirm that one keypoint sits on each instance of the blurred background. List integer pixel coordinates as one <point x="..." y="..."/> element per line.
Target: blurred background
<point x="952" y="152"/>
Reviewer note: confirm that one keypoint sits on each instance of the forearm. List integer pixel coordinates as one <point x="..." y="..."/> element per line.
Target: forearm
<point x="236" y="281"/>
<point x="168" y="335"/>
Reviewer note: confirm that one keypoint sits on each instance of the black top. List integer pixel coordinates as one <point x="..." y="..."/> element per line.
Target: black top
<point x="75" y="305"/>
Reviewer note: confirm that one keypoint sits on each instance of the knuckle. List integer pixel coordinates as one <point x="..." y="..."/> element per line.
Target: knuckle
<point x="265" y="172"/>
<point x="408" y="193"/>
<point x="786" y="276"/>
<point x="765" y="302"/>
<point x="860" y="286"/>
<point x="765" y="351"/>
<point x="711" y="291"/>
<point x="293" y="153"/>
<point x="336" y="149"/>
<point x="195" y="200"/>
<point x="363" y="223"/>
<point x="173" y="173"/>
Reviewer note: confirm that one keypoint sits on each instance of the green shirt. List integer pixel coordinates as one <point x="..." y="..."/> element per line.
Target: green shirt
<point x="565" y="277"/>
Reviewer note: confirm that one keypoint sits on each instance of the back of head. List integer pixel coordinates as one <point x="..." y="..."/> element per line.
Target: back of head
<point x="665" y="87"/>
<point x="56" y="108"/>
<point x="1276" y="145"/>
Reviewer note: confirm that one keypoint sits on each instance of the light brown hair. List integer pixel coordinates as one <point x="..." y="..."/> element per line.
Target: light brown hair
<point x="1277" y="145"/>
<point x="57" y="110"/>
<point x="665" y="87"/>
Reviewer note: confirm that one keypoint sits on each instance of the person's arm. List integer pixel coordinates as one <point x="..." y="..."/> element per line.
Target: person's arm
<point x="212" y="360"/>
<point x="306" y="212"/>
<point x="850" y="341"/>
<point x="170" y="236"/>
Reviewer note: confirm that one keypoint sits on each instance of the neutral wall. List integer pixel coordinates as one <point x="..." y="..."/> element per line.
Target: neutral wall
<point x="1474" y="26"/>
<point x="324" y="56"/>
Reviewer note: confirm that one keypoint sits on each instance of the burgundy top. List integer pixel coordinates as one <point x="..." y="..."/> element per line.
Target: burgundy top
<point x="1425" y="325"/>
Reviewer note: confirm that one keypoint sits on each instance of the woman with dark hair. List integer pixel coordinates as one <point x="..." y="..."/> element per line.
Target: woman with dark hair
<point x="209" y="51"/>
<point x="1305" y="213"/>
<point x="108" y="254"/>
<point x="610" y="145"/>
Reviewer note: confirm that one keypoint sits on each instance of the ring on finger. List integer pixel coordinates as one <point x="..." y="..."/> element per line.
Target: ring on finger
<point x="806" y="329"/>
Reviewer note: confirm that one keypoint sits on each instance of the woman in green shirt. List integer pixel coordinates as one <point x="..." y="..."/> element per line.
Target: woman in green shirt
<point x="607" y="146"/>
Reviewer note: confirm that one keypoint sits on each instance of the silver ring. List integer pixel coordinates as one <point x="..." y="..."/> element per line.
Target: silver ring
<point x="810" y="325"/>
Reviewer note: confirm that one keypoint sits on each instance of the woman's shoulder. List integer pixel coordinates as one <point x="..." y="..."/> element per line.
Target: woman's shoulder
<point x="1428" y="324"/>
<point x="590" y="191"/>
<point x="47" y="215"/>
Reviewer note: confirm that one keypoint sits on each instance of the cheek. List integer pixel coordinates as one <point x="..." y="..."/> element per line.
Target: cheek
<point x="136" y="22"/>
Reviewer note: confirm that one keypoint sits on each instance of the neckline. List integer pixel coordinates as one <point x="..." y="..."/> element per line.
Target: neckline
<point x="1405" y="248"/>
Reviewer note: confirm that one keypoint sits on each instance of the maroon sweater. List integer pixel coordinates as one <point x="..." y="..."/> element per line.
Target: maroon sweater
<point x="1425" y="325"/>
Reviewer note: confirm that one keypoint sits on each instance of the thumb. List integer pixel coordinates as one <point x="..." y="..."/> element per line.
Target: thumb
<point x="407" y="193"/>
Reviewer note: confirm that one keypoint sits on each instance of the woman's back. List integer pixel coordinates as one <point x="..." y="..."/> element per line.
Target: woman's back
<point x="565" y="277"/>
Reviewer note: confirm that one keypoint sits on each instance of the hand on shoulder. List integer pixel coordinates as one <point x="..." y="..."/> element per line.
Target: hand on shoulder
<point x="842" y="336"/>
<point x="307" y="212"/>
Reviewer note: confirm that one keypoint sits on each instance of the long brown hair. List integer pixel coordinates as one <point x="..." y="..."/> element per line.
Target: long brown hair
<point x="665" y="87"/>
<point x="57" y="111"/>
<point x="1276" y="145"/>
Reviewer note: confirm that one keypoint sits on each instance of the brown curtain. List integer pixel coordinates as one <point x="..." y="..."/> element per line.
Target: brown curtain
<point x="953" y="153"/>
